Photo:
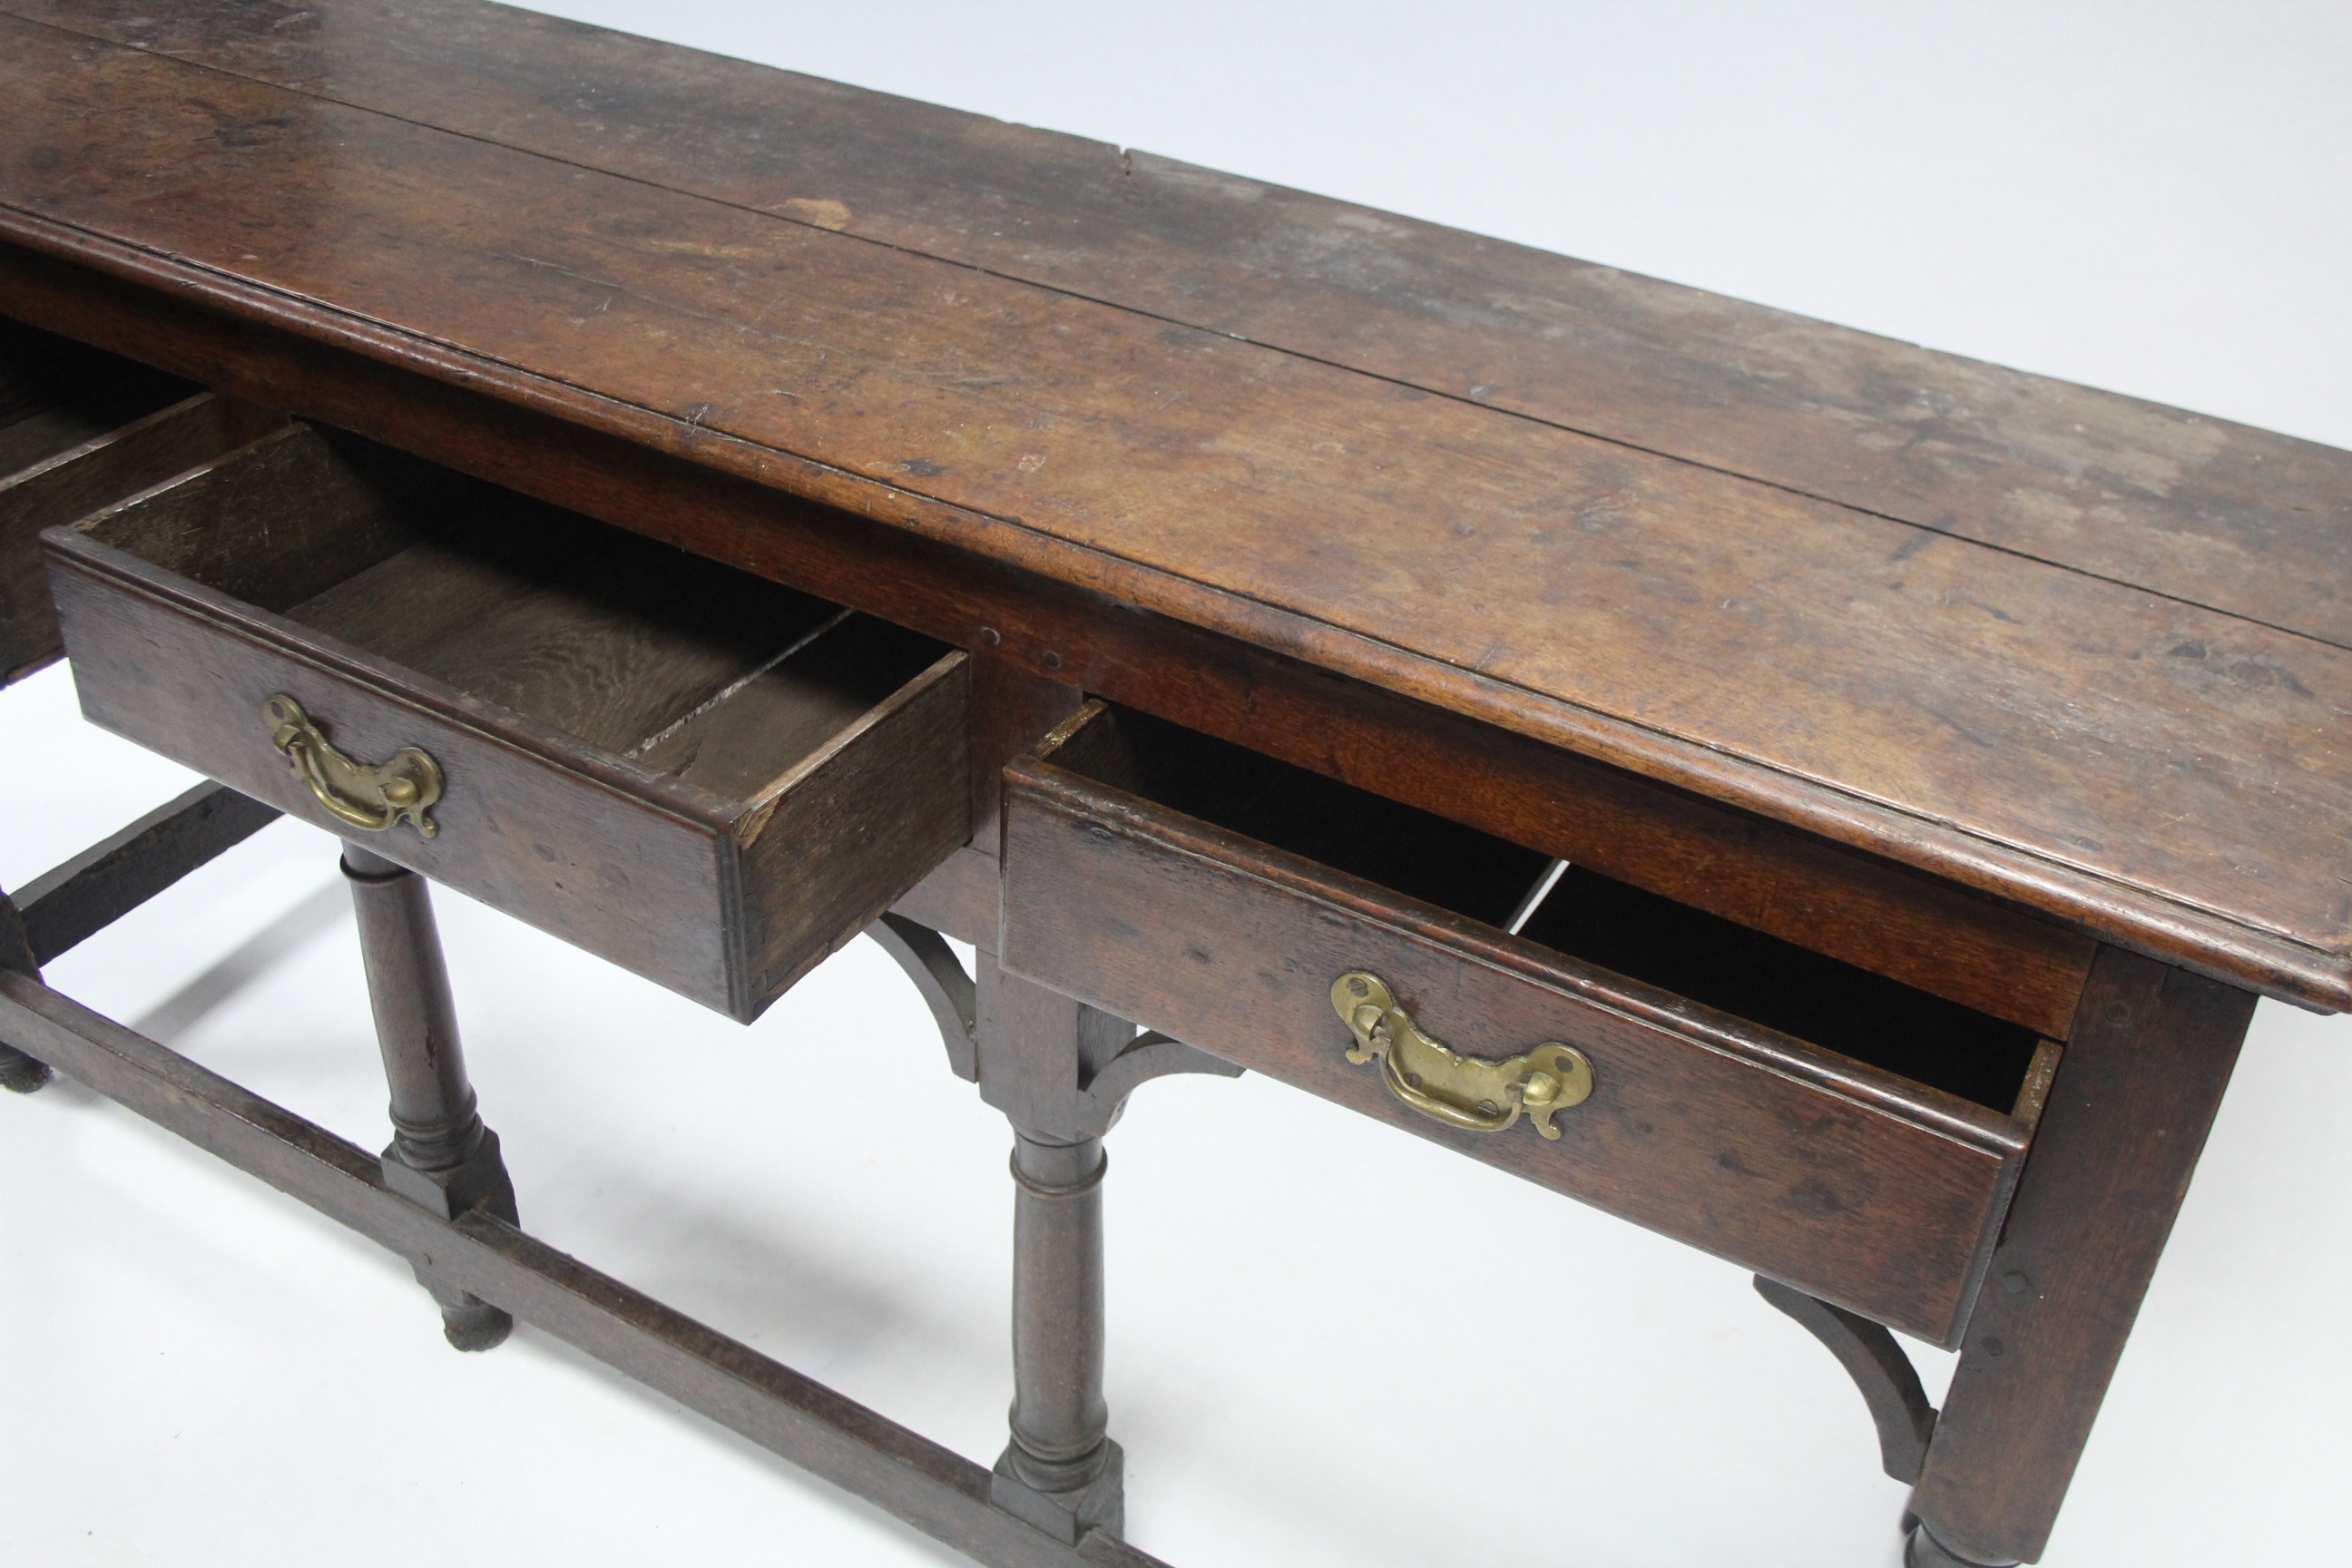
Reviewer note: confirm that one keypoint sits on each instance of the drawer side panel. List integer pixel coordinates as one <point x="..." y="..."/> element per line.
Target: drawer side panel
<point x="890" y="801"/>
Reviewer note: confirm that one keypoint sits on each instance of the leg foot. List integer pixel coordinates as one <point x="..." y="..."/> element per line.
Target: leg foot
<point x="480" y="1181"/>
<point x="1924" y="1550"/>
<point x="21" y="1074"/>
<point x="475" y="1325"/>
<point x="1099" y="1503"/>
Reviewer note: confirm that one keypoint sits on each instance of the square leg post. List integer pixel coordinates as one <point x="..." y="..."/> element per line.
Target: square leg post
<point x="19" y="1073"/>
<point x="2135" y="1096"/>
<point x="441" y="1157"/>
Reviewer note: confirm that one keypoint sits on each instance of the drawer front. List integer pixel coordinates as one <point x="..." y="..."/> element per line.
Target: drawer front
<point x="579" y="857"/>
<point x="1744" y="1148"/>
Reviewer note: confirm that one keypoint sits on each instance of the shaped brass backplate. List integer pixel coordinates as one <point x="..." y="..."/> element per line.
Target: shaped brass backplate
<point x="374" y="799"/>
<point x="1461" y="1091"/>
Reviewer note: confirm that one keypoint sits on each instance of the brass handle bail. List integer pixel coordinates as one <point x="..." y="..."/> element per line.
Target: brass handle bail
<point x="1461" y="1091"/>
<point x="372" y="799"/>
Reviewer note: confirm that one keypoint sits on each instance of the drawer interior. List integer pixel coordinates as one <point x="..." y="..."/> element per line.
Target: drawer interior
<point x="689" y="669"/>
<point x="1640" y="935"/>
<point x="55" y="393"/>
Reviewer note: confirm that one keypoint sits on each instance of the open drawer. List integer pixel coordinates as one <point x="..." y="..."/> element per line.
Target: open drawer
<point x="79" y="429"/>
<point x="1837" y="1130"/>
<point x="705" y="777"/>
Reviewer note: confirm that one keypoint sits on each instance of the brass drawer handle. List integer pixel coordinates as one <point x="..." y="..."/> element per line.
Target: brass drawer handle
<point x="1461" y="1091"/>
<point x="373" y="798"/>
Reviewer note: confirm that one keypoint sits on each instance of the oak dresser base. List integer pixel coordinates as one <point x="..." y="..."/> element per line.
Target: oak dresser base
<point x="1860" y="791"/>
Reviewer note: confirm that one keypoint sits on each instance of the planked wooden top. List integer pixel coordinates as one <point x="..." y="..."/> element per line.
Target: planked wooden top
<point x="2085" y="651"/>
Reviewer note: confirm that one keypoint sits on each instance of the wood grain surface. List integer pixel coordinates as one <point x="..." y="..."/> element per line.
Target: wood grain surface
<point x="863" y="819"/>
<point x="1886" y="1204"/>
<point x="2193" y="506"/>
<point x="530" y="822"/>
<point x="1829" y="656"/>
<point x="411" y="618"/>
<point x="106" y="469"/>
<point x="2126" y="1119"/>
<point x="1043" y="640"/>
<point x="78" y="431"/>
<point x="56" y="394"/>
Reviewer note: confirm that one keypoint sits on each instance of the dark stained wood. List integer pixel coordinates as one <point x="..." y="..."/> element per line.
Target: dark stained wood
<point x="790" y="1415"/>
<point x="1033" y="1049"/>
<point x="19" y="1073"/>
<point x="16" y="942"/>
<point x="1830" y="664"/>
<point x="104" y="470"/>
<point x="959" y="899"/>
<point x="84" y="894"/>
<point x="1059" y="1470"/>
<point x="1975" y="951"/>
<point x="1885" y="1204"/>
<point x="1922" y="1550"/>
<point x="185" y="671"/>
<point x="1881" y="1370"/>
<point x="2125" y="1121"/>
<point x="79" y="429"/>
<point x="726" y="897"/>
<point x="945" y="986"/>
<point x="833" y="845"/>
<point x="1967" y="711"/>
<point x="2186" y="506"/>
<point x="442" y="1158"/>
<point x="1567" y="910"/>
<point x="1012" y="712"/>
<point x="284" y="522"/>
<point x="56" y="394"/>
<point x="1783" y="986"/>
<point x="1061" y="1071"/>
<point x="613" y="645"/>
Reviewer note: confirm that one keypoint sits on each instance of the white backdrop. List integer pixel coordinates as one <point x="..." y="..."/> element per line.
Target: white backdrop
<point x="2147" y="197"/>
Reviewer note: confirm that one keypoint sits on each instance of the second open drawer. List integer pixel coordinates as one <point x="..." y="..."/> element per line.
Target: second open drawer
<point x="1827" y="1127"/>
<point x="705" y="777"/>
<point x="78" y="429"/>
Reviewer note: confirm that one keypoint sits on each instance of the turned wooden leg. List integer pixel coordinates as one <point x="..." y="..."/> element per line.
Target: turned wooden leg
<point x="1061" y="1071"/>
<point x="2134" y="1095"/>
<point x="1059" y="1443"/>
<point x="442" y="1158"/>
<point x="1060" y="1471"/>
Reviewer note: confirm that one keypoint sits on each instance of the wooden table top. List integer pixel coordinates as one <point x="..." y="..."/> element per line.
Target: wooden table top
<point x="2085" y="651"/>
